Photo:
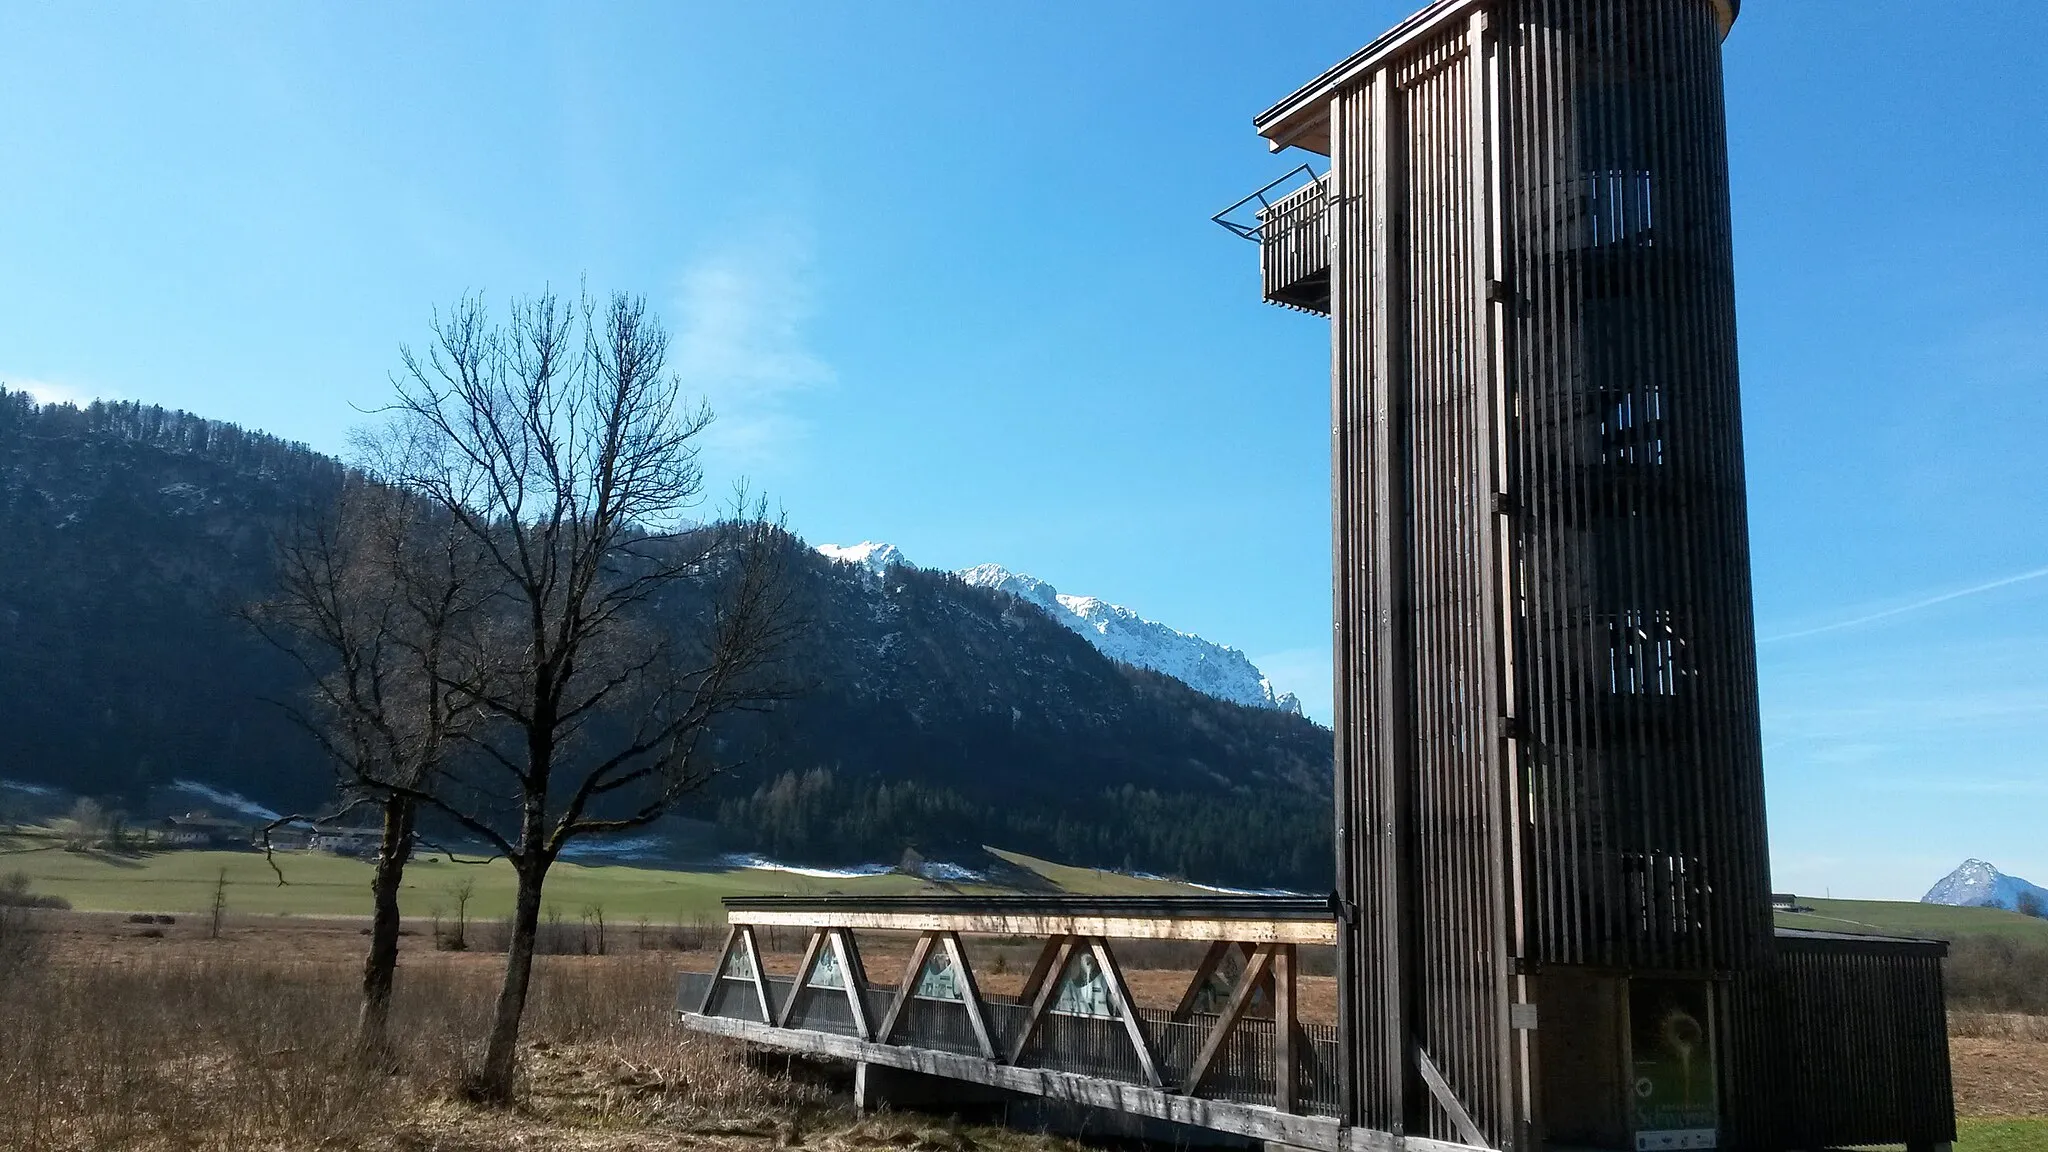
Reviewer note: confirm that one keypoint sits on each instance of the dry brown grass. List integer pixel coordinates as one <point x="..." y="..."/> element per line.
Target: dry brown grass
<point x="112" y="1039"/>
<point x="2000" y="1062"/>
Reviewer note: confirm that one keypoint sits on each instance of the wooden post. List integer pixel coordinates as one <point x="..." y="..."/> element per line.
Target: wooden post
<point x="753" y="950"/>
<point x="1240" y="999"/>
<point x="732" y="937"/>
<point x="856" y="980"/>
<point x="970" y="994"/>
<point x="803" y="976"/>
<point x="907" y="987"/>
<point x="1120" y="995"/>
<point x="1054" y="969"/>
<point x="1286" y="1054"/>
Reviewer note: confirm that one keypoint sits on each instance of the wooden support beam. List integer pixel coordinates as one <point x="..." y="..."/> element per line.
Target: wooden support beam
<point x="753" y="950"/>
<point x="1048" y="990"/>
<point x="1240" y="999"/>
<point x="1286" y="1053"/>
<point x="970" y="994"/>
<point x="1038" y="924"/>
<point x="1126" y="1007"/>
<point x="1447" y="1099"/>
<point x="856" y="979"/>
<point x="1211" y="960"/>
<point x="1041" y="968"/>
<point x="913" y="970"/>
<point x="732" y="937"/>
<point x="803" y="976"/>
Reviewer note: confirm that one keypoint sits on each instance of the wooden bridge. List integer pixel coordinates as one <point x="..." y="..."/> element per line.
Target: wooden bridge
<point x="1233" y="1055"/>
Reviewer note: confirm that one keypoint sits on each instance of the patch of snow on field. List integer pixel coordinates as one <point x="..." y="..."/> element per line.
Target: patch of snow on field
<point x="228" y="800"/>
<point x="931" y="869"/>
<point x="763" y="864"/>
<point x="1218" y="888"/>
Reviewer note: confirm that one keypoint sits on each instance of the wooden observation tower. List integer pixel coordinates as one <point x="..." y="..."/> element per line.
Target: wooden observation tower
<point x="1552" y="919"/>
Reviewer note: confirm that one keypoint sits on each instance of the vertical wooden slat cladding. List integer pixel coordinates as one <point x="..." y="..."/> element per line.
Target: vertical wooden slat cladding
<point x="1417" y="650"/>
<point x="1546" y="727"/>
<point x="1840" y="1041"/>
<point x="1452" y="687"/>
<point x="1634" y="631"/>
<point x="1369" y="828"/>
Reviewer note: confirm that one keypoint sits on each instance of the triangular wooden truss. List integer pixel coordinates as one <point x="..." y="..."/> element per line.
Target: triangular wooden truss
<point x="938" y="969"/>
<point x="833" y="946"/>
<point x="740" y="959"/>
<point x="919" y="970"/>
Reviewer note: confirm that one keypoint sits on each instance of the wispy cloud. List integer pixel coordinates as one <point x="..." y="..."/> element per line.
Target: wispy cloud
<point x="1915" y="606"/>
<point x="1966" y="786"/>
<point x="53" y="392"/>
<point x="742" y="311"/>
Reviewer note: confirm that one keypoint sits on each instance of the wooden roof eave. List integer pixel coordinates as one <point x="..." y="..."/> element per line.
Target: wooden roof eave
<point x="1302" y="120"/>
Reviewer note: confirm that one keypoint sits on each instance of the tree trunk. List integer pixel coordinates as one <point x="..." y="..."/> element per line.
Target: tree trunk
<point x="381" y="965"/>
<point x="498" y="1078"/>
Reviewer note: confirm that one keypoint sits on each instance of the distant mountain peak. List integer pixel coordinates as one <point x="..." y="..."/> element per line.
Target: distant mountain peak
<point x="871" y="555"/>
<point x="1116" y="631"/>
<point x="1979" y="884"/>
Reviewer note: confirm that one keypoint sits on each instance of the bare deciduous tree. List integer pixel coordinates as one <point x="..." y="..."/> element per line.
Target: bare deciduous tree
<point x="557" y="444"/>
<point x="375" y="595"/>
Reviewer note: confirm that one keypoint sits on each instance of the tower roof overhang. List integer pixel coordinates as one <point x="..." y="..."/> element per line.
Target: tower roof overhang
<point x="1303" y="119"/>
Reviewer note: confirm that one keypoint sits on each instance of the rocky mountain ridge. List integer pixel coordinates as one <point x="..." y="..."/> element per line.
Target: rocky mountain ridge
<point x="1116" y="631"/>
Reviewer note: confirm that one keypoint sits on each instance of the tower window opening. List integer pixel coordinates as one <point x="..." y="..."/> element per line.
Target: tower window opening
<point x="1645" y="654"/>
<point x="1619" y="208"/>
<point x="1632" y="428"/>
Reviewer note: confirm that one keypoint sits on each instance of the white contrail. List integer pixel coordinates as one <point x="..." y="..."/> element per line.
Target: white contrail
<point x="1915" y="606"/>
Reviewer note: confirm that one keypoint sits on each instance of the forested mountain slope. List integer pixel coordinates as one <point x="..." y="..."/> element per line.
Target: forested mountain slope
<point x="935" y="715"/>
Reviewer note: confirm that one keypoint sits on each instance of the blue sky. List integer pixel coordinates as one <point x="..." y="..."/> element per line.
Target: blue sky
<point x="946" y="272"/>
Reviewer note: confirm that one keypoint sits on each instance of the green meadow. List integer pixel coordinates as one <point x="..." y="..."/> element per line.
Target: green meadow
<point x="1904" y="918"/>
<point x="320" y="884"/>
<point x="2002" y="1134"/>
<point x="302" y="883"/>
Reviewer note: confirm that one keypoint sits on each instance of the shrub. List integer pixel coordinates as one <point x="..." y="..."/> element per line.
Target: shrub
<point x="1998" y="974"/>
<point x="22" y="946"/>
<point x="14" y="893"/>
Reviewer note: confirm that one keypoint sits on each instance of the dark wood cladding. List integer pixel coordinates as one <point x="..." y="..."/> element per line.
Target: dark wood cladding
<point x="1638" y="710"/>
<point x="1423" y="823"/>
<point x="1546" y="723"/>
<point x="1842" y="1041"/>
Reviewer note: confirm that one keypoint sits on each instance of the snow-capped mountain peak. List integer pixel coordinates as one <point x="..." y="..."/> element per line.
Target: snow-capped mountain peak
<point x="871" y="555"/>
<point x="1978" y="884"/>
<point x="1119" y="633"/>
<point x="1015" y="583"/>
